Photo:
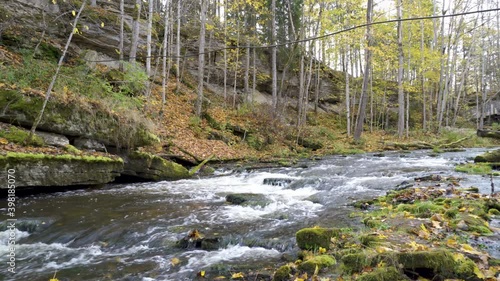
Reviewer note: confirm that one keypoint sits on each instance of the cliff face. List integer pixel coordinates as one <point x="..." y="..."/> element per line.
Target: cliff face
<point x="98" y="30"/>
<point x="25" y="23"/>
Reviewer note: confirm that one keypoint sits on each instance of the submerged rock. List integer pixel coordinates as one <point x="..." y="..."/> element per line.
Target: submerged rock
<point x="277" y="181"/>
<point x="196" y="240"/>
<point x="248" y="199"/>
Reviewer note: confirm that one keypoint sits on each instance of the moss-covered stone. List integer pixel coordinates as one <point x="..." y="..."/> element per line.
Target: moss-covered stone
<point x="78" y="118"/>
<point x="282" y="273"/>
<point x="383" y="274"/>
<point x="489" y="157"/>
<point x="321" y="261"/>
<point x="352" y="263"/>
<point x="313" y="238"/>
<point x="151" y="167"/>
<point x="433" y="263"/>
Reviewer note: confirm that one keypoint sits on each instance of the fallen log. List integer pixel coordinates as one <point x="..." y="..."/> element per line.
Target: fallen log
<point x="488" y="134"/>
<point x="425" y="145"/>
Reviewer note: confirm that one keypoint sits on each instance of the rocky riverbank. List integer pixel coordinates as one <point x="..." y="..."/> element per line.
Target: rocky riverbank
<point x="425" y="232"/>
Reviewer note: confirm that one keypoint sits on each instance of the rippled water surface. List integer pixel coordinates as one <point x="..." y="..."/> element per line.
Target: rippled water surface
<point x="128" y="232"/>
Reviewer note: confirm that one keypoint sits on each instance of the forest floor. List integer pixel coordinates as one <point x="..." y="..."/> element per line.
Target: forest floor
<point x="244" y="132"/>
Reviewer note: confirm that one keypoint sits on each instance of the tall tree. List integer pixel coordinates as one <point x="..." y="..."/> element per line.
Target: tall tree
<point x="366" y="75"/>
<point x="201" y="56"/>
<point x="135" y="32"/>
<point x="401" y="97"/>
<point x="274" y="72"/>
<point x="164" y="53"/>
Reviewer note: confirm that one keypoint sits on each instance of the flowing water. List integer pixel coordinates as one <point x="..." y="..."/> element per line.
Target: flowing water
<point x="128" y="232"/>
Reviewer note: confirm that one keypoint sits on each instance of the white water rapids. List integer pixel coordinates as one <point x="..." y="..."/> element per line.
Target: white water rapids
<point x="128" y="232"/>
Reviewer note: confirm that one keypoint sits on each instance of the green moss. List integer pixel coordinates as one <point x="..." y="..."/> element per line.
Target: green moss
<point x="282" y="273"/>
<point x="493" y="212"/>
<point x="16" y="135"/>
<point x="439" y="262"/>
<point x="465" y="268"/>
<point x="321" y="261"/>
<point x="352" y="263"/>
<point x="71" y="149"/>
<point x="421" y="209"/>
<point x="476" y="168"/>
<point x="368" y="240"/>
<point x="313" y="238"/>
<point x="14" y="157"/>
<point x="383" y="274"/>
<point x="451" y="213"/>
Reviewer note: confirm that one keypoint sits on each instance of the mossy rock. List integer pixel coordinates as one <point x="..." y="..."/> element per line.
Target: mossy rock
<point x="78" y="118"/>
<point x="313" y="238"/>
<point x="282" y="273"/>
<point x="355" y="262"/>
<point x="383" y="274"/>
<point x="488" y="157"/>
<point x="476" y="224"/>
<point x="429" y="263"/>
<point x="151" y="167"/>
<point x="321" y="261"/>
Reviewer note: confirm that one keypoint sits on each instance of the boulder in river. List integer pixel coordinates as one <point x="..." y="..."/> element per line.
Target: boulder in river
<point x="248" y="199"/>
<point x="489" y="157"/>
<point x="196" y="240"/>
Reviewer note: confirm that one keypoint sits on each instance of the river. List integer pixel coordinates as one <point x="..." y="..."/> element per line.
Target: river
<point x="129" y="231"/>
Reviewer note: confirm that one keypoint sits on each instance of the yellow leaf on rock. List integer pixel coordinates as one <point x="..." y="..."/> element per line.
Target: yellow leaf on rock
<point x="73" y="13"/>
<point x="102" y="24"/>
<point x="3" y="141"/>
<point x="237" y="275"/>
<point x="202" y="273"/>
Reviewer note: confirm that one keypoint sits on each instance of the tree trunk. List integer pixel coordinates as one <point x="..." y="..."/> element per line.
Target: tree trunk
<point x="178" y="49"/>
<point x="122" y="35"/>
<point x="274" y="72"/>
<point x="347" y="91"/>
<point x="201" y="56"/>
<point x="164" y="54"/>
<point x="401" y="97"/>
<point x="29" y="139"/>
<point x="135" y="33"/>
<point x="148" y="37"/>
<point x="366" y="75"/>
